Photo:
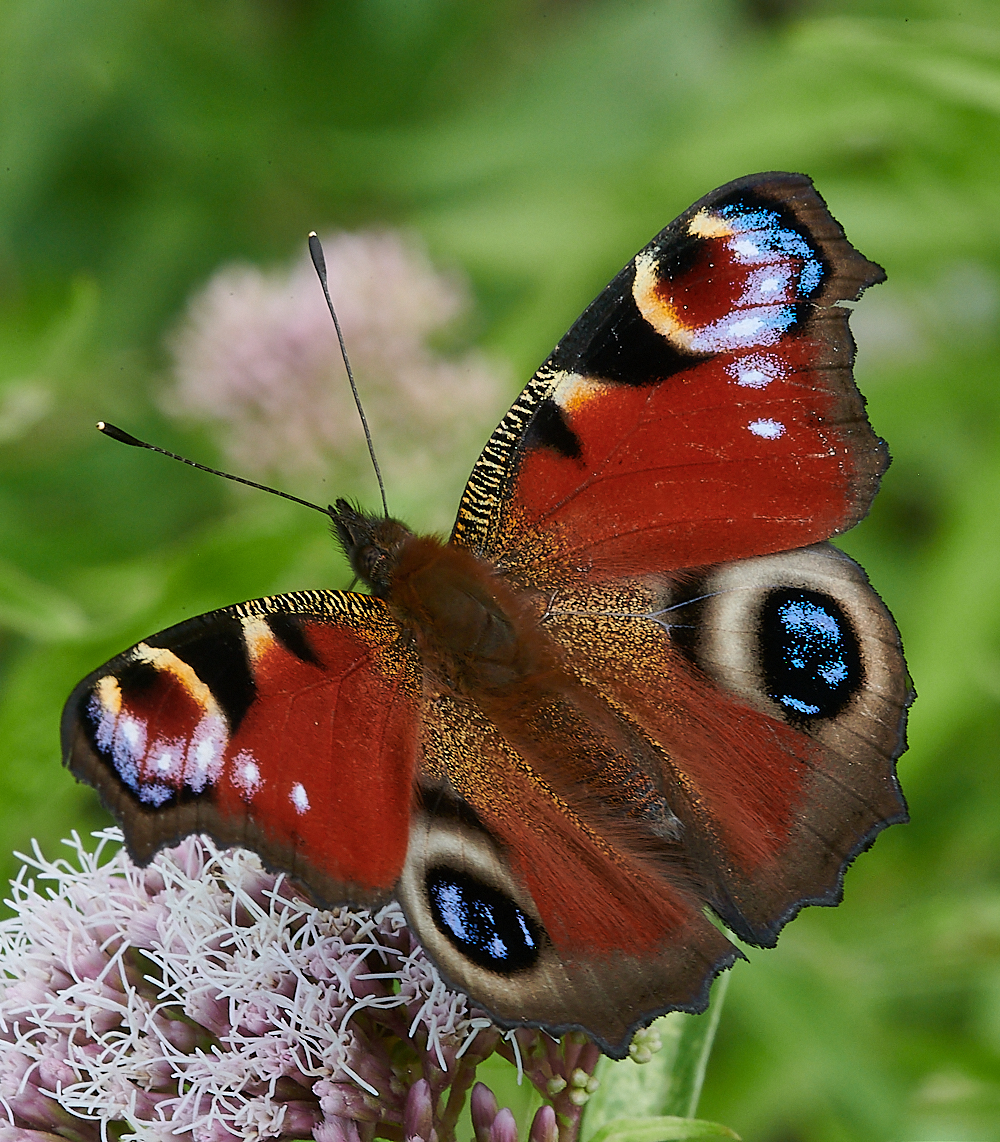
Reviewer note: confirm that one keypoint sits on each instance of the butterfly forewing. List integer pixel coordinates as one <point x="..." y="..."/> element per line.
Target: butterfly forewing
<point x="286" y="724"/>
<point x="702" y="409"/>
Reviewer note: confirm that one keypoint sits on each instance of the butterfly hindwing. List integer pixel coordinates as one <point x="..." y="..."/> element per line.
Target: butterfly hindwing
<point x="286" y="724"/>
<point x="723" y="739"/>
<point x="537" y="898"/>
<point x="702" y="409"/>
<point x="775" y="693"/>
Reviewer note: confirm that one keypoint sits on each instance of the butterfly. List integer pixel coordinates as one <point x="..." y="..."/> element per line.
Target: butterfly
<point x="635" y="699"/>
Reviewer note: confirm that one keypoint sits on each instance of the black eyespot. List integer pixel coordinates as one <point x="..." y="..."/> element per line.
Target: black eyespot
<point x="482" y="923"/>
<point x="809" y="651"/>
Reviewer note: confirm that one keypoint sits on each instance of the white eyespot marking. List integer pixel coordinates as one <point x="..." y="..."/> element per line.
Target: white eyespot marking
<point x="756" y="370"/>
<point x="167" y="758"/>
<point x="753" y="379"/>
<point x="132" y="732"/>
<point x="767" y="429"/>
<point x="757" y="325"/>
<point x="128" y="748"/>
<point x="246" y="774"/>
<point x="769" y="286"/>
<point x="746" y="250"/>
<point x="259" y="638"/>
<point x="299" y="798"/>
<point x="167" y="764"/>
<point x="205" y="753"/>
<point x="744" y="328"/>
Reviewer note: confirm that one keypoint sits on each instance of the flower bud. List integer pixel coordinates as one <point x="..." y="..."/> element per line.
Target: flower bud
<point x="544" y="1127"/>
<point x="504" y="1128"/>
<point x="483" y="1106"/>
<point x="418" y="1116"/>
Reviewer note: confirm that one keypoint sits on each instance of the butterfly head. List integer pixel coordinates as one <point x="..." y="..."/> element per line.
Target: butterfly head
<point x="372" y="544"/>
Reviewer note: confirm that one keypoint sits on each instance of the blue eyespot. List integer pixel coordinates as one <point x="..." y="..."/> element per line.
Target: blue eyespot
<point x="809" y="652"/>
<point x="771" y="235"/>
<point x="482" y="923"/>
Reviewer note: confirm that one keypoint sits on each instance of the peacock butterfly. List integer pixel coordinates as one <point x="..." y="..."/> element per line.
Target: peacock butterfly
<point x="636" y="685"/>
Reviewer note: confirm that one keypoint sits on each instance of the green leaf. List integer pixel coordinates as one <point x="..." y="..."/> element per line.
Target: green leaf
<point x="666" y="1128"/>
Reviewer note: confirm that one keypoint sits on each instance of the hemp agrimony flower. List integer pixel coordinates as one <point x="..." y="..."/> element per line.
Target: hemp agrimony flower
<point x="257" y="357"/>
<point x="202" y="998"/>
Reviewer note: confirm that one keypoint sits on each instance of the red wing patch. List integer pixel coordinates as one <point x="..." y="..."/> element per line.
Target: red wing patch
<point x="701" y="410"/>
<point x="286" y="724"/>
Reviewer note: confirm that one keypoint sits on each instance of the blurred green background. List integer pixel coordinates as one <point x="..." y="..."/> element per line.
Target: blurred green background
<point x="534" y="145"/>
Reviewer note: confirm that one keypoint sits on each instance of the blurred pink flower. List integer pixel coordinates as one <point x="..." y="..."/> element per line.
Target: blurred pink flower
<point x="200" y="998"/>
<point x="257" y="356"/>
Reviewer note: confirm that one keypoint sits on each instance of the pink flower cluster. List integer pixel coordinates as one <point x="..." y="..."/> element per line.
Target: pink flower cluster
<point x="257" y="357"/>
<point x="200" y="998"/>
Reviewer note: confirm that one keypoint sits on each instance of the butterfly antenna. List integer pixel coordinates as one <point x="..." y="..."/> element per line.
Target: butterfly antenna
<point x="319" y="261"/>
<point x="126" y="438"/>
